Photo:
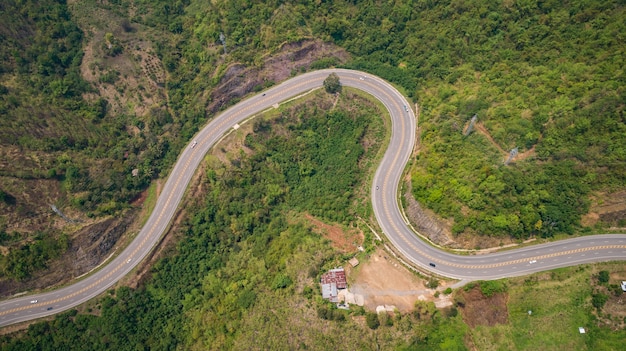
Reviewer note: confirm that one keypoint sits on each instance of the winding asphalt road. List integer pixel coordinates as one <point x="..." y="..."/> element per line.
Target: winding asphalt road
<point x="384" y="200"/>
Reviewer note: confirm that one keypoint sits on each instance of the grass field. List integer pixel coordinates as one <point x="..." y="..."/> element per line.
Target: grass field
<point x="560" y="303"/>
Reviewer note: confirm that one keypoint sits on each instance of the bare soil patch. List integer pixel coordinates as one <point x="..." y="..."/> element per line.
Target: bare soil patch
<point x="343" y="241"/>
<point x="609" y="208"/>
<point x="239" y="80"/>
<point x="478" y="309"/>
<point x="382" y="280"/>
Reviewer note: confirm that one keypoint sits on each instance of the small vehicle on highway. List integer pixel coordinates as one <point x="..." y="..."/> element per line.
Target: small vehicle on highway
<point x="33" y="301"/>
<point x="195" y="142"/>
<point x="48" y="309"/>
<point x="533" y="261"/>
<point x="432" y="264"/>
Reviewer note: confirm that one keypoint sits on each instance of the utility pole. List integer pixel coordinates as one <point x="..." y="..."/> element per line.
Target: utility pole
<point x="223" y="40"/>
<point x="512" y="155"/>
<point x="471" y="125"/>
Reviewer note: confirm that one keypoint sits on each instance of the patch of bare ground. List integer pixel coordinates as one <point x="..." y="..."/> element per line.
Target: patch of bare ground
<point x="609" y="208"/>
<point x="478" y="309"/>
<point x="131" y="81"/>
<point x="382" y="280"/>
<point x="232" y="147"/>
<point x="28" y="209"/>
<point x="340" y="239"/>
<point x="239" y="80"/>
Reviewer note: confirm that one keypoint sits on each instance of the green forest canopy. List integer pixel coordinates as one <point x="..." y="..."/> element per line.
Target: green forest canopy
<point x="543" y="76"/>
<point x="546" y="77"/>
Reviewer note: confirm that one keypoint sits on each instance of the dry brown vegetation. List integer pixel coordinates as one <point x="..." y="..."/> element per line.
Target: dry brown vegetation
<point x="478" y="309"/>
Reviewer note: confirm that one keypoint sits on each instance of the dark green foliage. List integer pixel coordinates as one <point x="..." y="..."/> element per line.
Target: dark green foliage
<point x="246" y="299"/>
<point x="21" y="262"/>
<point x="326" y="62"/>
<point x="605" y="339"/>
<point x="603" y="277"/>
<point x="320" y="174"/>
<point x="236" y="243"/>
<point x="281" y="281"/>
<point x="598" y="300"/>
<point x="490" y="287"/>
<point x="332" y="85"/>
<point x="6" y="198"/>
<point x="372" y="321"/>
<point x="331" y="313"/>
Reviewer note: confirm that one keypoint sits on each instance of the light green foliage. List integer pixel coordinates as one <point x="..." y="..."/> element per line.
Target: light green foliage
<point x="490" y="287"/>
<point x="559" y="306"/>
<point x="540" y="75"/>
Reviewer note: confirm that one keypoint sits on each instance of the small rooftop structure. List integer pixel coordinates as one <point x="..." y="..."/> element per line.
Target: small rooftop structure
<point x="623" y="285"/>
<point x="337" y="276"/>
<point x="332" y="281"/>
<point x="581" y="330"/>
<point x="354" y="262"/>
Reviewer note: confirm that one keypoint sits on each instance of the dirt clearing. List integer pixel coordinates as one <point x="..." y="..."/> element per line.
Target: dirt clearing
<point x="478" y="309"/>
<point x="384" y="281"/>
<point x="341" y="240"/>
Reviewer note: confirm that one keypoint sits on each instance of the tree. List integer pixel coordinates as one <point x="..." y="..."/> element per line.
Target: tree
<point x="332" y="84"/>
<point x="598" y="300"/>
<point x="603" y="277"/>
<point x="371" y="320"/>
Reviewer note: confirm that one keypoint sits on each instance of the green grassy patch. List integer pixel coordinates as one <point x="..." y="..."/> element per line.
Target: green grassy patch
<point x="560" y="303"/>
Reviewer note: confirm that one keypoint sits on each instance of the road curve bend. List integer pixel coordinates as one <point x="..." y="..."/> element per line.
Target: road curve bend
<point x="384" y="202"/>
